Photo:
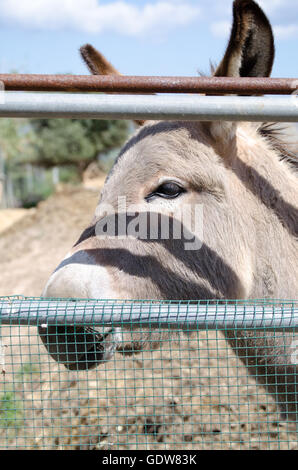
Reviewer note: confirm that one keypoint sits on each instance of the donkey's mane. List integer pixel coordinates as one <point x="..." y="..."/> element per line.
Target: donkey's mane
<point x="276" y="135"/>
<point x="273" y="132"/>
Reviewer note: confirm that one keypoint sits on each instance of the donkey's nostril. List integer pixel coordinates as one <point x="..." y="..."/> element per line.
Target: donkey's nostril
<point x="98" y="351"/>
<point x="80" y="348"/>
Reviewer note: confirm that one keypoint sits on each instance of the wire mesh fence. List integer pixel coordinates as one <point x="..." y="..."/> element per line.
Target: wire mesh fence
<point x="187" y="389"/>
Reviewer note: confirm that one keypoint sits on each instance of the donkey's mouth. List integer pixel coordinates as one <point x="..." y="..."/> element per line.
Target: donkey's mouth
<point x="80" y="348"/>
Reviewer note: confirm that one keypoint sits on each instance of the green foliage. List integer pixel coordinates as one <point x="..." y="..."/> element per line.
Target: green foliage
<point x="11" y="413"/>
<point x="28" y="369"/>
<point x="52" y="142"/>
<point x="73" y="142"/>
<point x="69" y="144"/>
<point x="69" y="174"/>
<point x="40" y="193"/>
<point x="14" y="135"/>
<point x="30" y="195"/>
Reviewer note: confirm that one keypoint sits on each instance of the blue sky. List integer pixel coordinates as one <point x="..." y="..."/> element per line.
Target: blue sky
<point x="141" y="37"/>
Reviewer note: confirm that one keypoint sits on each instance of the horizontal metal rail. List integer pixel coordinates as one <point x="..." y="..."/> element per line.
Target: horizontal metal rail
<point x="133" y="84"/>
<point x="155" y="107"/>
<point x="134" y="315"/>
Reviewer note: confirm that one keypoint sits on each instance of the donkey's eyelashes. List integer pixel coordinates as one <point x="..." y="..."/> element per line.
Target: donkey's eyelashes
<point x="167" y="190"/>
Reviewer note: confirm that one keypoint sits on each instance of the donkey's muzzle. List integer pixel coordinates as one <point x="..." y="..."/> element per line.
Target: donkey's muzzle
<point x="79" y="348"/>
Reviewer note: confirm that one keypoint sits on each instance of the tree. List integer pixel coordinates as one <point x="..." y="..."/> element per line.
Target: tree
<point x="56" y="142"/>
<point x="12" y="144"/>
<point x="12" y="137"/>
<point x="69" y="144"/>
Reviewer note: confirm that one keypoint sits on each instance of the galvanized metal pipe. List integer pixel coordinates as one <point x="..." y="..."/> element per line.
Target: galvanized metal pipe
<point x="133" y="84"/>
<point x="155" y="107"/>
<point x="154" y="315"/>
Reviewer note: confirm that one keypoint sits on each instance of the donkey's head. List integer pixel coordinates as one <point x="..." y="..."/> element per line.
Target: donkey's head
<point x="180" y="215"/>
<point x="170" y="169"/>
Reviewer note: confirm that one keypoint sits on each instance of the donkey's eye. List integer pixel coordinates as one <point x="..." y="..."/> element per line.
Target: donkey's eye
<point x="169" y="190"/>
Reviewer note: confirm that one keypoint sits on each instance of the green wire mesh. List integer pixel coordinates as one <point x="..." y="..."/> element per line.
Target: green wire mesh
<point x="189" y="392"/>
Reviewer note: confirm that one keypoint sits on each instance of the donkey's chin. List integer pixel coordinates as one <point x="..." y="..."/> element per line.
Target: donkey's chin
<point x="80" y="348"/>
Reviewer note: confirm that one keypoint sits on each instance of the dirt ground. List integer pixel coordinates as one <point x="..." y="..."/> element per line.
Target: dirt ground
<point x="9" y="217"/>
<point x="190" y="394"/>
<point x="32" y="248"/>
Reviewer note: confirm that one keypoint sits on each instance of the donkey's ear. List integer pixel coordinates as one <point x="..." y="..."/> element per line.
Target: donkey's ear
<point x="99" y="65"/>
<point x="96" y="62"/>
<point x="250" y="52"/>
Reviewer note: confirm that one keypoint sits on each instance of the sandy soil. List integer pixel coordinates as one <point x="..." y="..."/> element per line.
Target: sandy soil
<point x="33" y="247"/>
<point x="9" y="217"/>
<point x="192" y="394"/>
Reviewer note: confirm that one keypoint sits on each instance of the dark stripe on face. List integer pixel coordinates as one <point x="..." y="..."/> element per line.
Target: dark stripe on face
<point x="204" y="262"/>
<point x="88" y="233"/>
<point x="268" y="195"/>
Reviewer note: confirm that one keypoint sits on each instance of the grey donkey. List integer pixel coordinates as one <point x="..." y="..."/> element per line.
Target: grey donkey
<point x="243" y="176"/>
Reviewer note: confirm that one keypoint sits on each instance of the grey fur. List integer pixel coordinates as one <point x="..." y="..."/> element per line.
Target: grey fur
<point x="249" y="193"/>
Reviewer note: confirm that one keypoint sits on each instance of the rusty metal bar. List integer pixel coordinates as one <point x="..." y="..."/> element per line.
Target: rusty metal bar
<point x="134" y="84"/>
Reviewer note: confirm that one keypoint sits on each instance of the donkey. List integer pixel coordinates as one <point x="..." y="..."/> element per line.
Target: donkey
<point x="243" y="177"/>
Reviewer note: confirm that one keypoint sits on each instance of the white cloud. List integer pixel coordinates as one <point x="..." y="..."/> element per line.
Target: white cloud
<point x="133" y="19"/>
<point x="280" y="13"/>
<point x="91" y="16"/>
<point x="286" y="32"/>
<point x="221" y="28"/>
<point x="271" y="6"/>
